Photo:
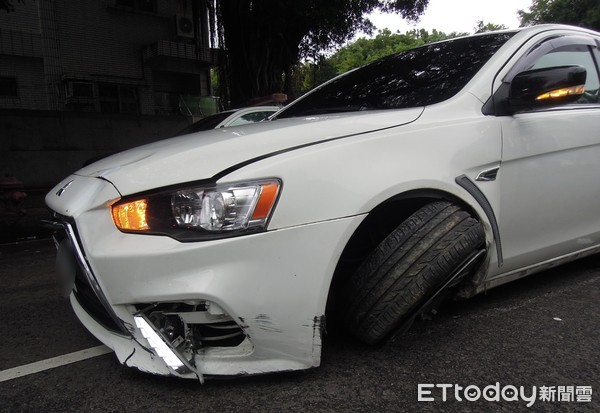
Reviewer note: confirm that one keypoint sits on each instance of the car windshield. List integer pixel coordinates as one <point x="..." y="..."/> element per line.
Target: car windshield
<point x="416" y="77"/>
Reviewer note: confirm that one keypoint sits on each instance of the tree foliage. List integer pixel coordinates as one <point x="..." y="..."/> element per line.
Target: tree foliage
<point x="360" y="52"/>
<point x="364" y="51"/>
<point x="264" y="39"/>
<point x="488" y="27"/>
<point x="8" y="5"/>
<point x="584" y="13"/>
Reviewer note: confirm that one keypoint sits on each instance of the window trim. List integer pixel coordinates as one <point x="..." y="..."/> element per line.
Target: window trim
<point x="543" y="48"/>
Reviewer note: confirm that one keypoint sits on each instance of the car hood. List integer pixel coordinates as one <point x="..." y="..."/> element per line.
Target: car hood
<point x="210" y="154"/>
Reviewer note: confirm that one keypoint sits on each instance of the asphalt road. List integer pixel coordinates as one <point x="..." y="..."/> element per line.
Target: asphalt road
<point x="541" y="331"/>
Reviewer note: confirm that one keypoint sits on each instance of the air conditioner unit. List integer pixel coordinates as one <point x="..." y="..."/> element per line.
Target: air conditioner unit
<point x="184" y="25"/>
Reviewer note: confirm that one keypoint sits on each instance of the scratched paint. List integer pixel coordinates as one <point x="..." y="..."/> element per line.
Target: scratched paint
<point x="264" y="322"/>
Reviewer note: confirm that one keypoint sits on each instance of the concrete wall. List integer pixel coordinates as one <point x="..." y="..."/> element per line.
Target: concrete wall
<point x="41" y="147"/>
<point x="45" y="44"/>
<point x="31" y="86"/>
<point x="24" y="18"/>
<point x="102" y="42"/>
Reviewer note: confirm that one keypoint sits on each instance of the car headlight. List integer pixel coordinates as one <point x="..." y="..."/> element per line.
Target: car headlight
<point x="203" y="212"/>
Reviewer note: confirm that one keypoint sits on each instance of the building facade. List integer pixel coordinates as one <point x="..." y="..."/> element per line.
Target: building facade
<point x="82" y="78"/>
<point x="108" y="56"/>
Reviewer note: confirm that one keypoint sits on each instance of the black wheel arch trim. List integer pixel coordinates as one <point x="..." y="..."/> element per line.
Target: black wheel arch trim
<point x="464" y="182"/>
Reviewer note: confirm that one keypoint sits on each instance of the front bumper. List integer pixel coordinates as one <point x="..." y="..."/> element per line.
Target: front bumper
<point x="271" y="288"/>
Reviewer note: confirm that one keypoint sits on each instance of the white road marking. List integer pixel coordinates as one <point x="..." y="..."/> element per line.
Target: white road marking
<point x="53" y="362"/>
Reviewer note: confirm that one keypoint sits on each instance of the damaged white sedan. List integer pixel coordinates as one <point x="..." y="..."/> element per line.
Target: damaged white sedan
<point x="438" y="172"/>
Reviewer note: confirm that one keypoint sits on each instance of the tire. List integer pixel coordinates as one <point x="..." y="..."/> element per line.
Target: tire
<point x="407" y="268"/>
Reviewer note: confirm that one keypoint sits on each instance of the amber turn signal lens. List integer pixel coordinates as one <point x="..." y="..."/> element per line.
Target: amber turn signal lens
<point x="268" y="195"/>
<point x="563" y="92"/>
<point x="131" y="216"/>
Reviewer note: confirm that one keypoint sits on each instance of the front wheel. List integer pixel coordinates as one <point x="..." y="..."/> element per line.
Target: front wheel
<point x="407" y="268"/>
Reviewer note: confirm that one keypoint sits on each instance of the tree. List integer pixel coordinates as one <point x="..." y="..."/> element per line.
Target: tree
<point x="364" y="51"/>
<point x="264" y="39"/>
<point x="488" y="27"/>
<point x="585" y="13"/>
<point x="360" y="52"/>
<point x="8" y="6"/>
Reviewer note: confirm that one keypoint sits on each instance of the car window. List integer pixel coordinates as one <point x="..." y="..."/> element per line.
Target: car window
<point x="416" y="77"/>
<point x="251" y="118"/>
<point x="574" y="55"/>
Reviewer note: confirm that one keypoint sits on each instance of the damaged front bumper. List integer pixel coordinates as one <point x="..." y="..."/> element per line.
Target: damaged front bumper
<point x="245" y="305"/>
<point x="76" y="279"/>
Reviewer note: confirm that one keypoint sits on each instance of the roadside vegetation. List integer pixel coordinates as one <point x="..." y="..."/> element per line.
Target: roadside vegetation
<point x="312" y="72"/>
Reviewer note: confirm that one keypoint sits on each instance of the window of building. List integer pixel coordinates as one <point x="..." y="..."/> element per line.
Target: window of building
<point x="118" y="98"/>
<point x="128" y="99"/>
<point x="108" y="96"/>
<point x="81" y="90"/>
<point x="80" y="96"/>
<point x="8" y="87"/>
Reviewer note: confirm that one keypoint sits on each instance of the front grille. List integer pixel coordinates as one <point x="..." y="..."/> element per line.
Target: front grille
<point x="87" y="298"/>
<point x="83" y="290"/>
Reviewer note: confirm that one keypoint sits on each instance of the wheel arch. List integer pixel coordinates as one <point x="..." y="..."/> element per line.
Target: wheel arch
<point x="382" y="220"/>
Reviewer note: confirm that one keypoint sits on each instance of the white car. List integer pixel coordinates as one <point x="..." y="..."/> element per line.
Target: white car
<point x="442" y="171"/>
<point x="233" y="117"/>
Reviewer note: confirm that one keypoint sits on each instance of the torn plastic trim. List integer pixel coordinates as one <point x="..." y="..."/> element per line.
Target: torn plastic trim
<point x="194" y="325"/>
<point x="163" y="348"/>
<point x="132" y="353"/>
<point x="181" y="333"/>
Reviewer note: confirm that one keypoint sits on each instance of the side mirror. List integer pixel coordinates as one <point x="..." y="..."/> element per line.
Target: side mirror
<point x="546" y="87"/>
